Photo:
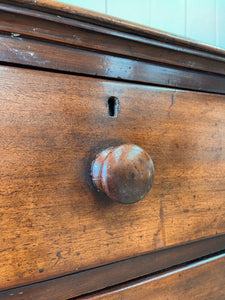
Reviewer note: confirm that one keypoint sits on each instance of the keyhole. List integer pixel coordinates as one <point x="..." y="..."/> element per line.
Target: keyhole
<point x="113" y="106"/>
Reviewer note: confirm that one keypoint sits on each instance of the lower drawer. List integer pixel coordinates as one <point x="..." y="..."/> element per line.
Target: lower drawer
<point x="201" y="280"/>
<point x="52" y="220"/>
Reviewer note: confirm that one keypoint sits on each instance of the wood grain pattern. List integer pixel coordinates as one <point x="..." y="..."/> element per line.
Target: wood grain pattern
<point x="53" y="125"/>
<point x="105" y="34"/>
<point x="88" y="281"/>
<point x="202" y="280"/>
<point x="73" y="12"/>
<point x="58" y="57"/>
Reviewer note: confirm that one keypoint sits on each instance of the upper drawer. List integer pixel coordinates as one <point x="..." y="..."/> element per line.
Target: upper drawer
<point x="52" y="126"/>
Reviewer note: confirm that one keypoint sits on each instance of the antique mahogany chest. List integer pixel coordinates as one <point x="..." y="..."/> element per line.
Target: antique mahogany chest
<point x="74" y="84"/>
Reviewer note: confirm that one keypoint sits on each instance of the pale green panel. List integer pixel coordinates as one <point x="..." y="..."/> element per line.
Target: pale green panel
<point x="220" y="28"/>
<point x="201" y="20"/>
<point x="168" y="15"/>
<point x="98" y="5"/>
<point x="132" y="10"/>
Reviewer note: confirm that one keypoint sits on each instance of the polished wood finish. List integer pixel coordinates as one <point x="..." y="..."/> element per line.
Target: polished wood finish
<point x="42" y="55"/>
<point x="73" y="285"/>
<point x="53" y="126"/>
<point x="61" y="67"/>
<point x="201" y="280"/>
<point x="105" y="21"/>
<point x="125" y="173"/>
<point x="65" y="38"/>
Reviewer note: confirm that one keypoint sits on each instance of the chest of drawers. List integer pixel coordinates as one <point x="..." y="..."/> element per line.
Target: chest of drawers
<point x="74" y="83"/>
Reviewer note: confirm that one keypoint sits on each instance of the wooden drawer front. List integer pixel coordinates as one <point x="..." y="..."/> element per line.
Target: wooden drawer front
<point x="202" y="280"/>
<point x="52" y="220"/>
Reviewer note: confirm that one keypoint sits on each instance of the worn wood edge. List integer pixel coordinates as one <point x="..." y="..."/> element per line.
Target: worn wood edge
<point x="85" y="282"/>
<point x="74" y="20"/>
<point x="194" y="57"/>
<point x="86" y="15"/>
<point x="26" y="52"/>
<point x="150" y="278"/>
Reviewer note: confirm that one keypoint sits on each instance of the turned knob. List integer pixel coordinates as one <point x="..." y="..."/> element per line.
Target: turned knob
<point x="124" y="173"/>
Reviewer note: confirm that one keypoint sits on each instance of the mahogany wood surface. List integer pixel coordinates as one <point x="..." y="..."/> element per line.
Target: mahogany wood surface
<point x="107" y="21"/>
<point x="202" y="280"/>
<point x="88" y="43"/>
<point x="60" y="58"/>
<point x="84" y="282"/>
<point x="52" y="126"/>
<point x="57" y="232"/>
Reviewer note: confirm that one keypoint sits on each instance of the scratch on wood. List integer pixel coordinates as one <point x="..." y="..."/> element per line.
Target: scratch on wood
<point x="172" y="102"/>
<point x="26" y="56"/>
<point x="6" y="249"/>
<point x="58" y="254"/>
<point x="172" y="99"/>
<point x="161" y="213"/>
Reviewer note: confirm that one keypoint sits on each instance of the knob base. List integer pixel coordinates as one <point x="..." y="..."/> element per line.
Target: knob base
<point x="96" y="169"/>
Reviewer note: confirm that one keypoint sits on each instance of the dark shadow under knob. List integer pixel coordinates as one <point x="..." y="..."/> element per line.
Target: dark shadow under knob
<point x="124" y="173"/>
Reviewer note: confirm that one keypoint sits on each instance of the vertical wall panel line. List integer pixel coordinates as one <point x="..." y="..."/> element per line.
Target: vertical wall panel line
<point x="216" y="20"/>
<point x="201" y="20"/>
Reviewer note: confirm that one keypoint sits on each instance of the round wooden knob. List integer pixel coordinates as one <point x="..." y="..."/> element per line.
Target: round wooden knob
<point x="124" y="173"/>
